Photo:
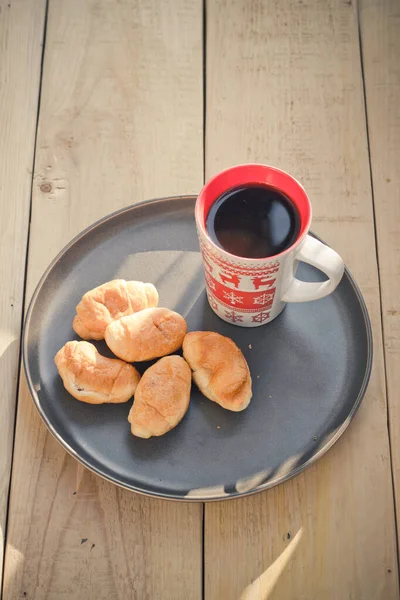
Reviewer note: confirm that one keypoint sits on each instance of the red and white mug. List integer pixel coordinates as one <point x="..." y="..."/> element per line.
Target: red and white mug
<point x="250" y="292"/>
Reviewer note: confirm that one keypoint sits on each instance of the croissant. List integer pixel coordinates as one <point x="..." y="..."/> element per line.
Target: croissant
<point x="219" y="369"/>
<point x="110" y="301"/>
<point x="148" y="334"/>
<point x="162" y="397"/>
<point x="90" y="377"/>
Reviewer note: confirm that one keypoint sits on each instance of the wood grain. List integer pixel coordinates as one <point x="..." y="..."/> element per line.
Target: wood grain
<point x="21" y="35"/>
<point x="120" y="121"/>
<point x="284" y="87"/>
<point x="380" y="29"/>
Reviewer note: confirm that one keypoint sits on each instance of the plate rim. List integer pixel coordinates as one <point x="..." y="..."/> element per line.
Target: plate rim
<point x="170" y="496"/>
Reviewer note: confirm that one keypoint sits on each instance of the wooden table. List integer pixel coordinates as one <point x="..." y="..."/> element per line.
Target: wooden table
<point x="108" y="102"/>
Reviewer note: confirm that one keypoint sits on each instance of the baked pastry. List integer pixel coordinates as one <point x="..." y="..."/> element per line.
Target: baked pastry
<point x="110" y="301"/>
<point x="148" y="334"/>
<point x="219" y="369"/>
<point x="162" y="397"/>
<point x="90" y="377"/>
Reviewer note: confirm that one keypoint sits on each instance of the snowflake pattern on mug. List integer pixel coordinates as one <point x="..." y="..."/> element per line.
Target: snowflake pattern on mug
<point x="262" y="299"/>
<point x="260" y="317"/>
<point x="210" y="282"/>
<point x="212" y="301"/>
<point x="234" y="317"/>
<point x="233" y="298"/>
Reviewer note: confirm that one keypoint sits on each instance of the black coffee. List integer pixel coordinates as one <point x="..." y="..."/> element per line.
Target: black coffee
<point x="253" y="222"/>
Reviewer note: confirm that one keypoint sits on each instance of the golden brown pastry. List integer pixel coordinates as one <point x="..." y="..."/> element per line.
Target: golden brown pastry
<point x="161" y="398"/>
<point x="148" y="334"/>
<point x="90" y="377"/>
<point x="110" y="301"/>
<point x="219" y="369"/>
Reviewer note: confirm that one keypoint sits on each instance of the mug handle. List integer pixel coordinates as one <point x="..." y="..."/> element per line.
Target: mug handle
<point x="318" y="255"/>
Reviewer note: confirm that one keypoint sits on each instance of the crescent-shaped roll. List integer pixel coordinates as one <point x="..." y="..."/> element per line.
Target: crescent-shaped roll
<point x="90" y="377"/>
<point x="110" y="301"/>
<point x="162" y="397"/>
<point x="219" y="369"/>
<point x="148" y="334"/>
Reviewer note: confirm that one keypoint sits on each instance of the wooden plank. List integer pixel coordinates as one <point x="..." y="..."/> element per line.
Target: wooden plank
<point x="121" y="121"/>
<point x="380" y="29"/>
<point x="21" y="35"/>
<point x="284" y="87"/>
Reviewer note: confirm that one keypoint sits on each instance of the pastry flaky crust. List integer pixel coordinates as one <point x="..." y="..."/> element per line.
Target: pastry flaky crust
<point x="90" y="377"/>
<point x="161" y="398"/>
<point x="110" y="301"/>
<point x="148" y="334"/>
<point x="219" y="369"/>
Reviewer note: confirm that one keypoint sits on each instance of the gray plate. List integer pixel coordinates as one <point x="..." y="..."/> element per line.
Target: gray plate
<point x="310" y="366"/>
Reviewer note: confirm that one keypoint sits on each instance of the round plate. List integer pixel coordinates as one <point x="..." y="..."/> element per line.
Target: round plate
<point x="310" y="366"/>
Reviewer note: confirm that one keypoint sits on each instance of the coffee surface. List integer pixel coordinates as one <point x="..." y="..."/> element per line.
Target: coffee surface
<point x="253" y="222"/>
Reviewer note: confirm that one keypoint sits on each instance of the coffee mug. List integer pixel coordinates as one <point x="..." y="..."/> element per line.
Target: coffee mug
<point x="250" y="292"/>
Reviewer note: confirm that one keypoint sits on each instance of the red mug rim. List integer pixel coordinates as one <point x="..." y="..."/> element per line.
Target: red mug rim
<point x="254" y="174"/>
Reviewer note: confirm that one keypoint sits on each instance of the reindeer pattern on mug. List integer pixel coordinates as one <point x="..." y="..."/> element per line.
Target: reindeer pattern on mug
<point x="235" y="291"/>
